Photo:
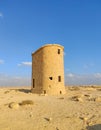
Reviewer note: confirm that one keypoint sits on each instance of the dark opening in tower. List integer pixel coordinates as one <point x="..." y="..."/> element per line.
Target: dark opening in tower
<point x="59" y="78"/>
<point x="58" y="51"/>
<point x="33" y="83"/>
<point x="51" y="78"/>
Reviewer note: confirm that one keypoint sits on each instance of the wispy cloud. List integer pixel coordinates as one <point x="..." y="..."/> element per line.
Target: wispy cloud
<point x="87" y="66"/>
<point x="70" y="75"/>
<point x="25" y="64"/>
<point x="70" y="79"/>
<point x="97" y="75"/>
<point x="6" y="80"/>
<point x="1" y="14"/>
<point x="1" y="61"/>
<point x="88" y="79"/>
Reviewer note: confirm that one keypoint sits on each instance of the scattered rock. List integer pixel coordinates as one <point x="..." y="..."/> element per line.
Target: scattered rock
<point x="98" y="99"/>
<point x="57" y="128"/>
<point x="6" y="92"/>
<point x="83" y="118"/>
<point x="13" y="105"/>
<point x="89" y="123"/>
<point x="91" y="99"/>
<point x="61" y="98"/>
<point x="87" y="95"/>
<point x="48" y="119"/>
<point x="26" y="102"/>
<point x="43" y="94"/>
<point x="77" y="98"/>
<point x="80" y="99"/>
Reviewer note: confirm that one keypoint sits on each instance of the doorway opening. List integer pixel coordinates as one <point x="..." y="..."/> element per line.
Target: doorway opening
<point x="33" y="83"/>
<point x="44" y="91"/>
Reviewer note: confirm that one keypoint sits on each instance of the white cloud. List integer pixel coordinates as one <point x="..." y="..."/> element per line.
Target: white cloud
<point x="70" y="75"/>
<point x="25" y="64"/>
<point x="1" y="61"/>
<point x="97" y="75"/>
<point x="70" y="79"/>
<point x="6" y="80"/>
<point x="1" y="15"/>
<point x="88" y="79"/>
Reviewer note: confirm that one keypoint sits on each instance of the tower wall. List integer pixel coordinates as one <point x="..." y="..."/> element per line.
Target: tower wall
<point x="48" y="70"/>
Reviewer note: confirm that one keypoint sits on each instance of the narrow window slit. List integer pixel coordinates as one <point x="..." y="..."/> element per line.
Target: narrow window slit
<point x="33" y="83"/>
<point x="58" y="51"/>
<point x="59" y="78"/>
<point x="60" y="92"/>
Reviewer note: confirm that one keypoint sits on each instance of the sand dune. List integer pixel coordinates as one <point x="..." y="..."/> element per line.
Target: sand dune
<point x="78" y="109"/>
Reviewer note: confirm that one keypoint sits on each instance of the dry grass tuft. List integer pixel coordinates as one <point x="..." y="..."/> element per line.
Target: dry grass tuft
<point x="26" y="102"/>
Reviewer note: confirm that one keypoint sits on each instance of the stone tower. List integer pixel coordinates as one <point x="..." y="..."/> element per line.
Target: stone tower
<point x="48" y="70"/>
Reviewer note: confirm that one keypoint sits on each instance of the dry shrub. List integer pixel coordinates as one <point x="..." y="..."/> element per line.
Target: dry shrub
<point x="26" y="102"/>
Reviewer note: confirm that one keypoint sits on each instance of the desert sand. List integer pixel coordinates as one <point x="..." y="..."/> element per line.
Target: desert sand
<point x="78" y="109"/>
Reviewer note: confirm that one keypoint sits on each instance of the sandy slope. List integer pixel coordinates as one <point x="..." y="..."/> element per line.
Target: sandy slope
<point x="78" y="109"/>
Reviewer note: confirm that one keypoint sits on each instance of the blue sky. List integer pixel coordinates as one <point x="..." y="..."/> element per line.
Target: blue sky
<point x="26" y="25"/>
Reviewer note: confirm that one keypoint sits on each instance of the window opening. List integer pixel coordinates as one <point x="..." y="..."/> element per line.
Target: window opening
<point x="60" y="92"/>
<point x="58" y="51"/>
<point x="51" y="78"/>
<point x="59" y="78"/>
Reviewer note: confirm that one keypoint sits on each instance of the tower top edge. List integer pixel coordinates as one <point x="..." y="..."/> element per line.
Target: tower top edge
<point x="47" y="45"/>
